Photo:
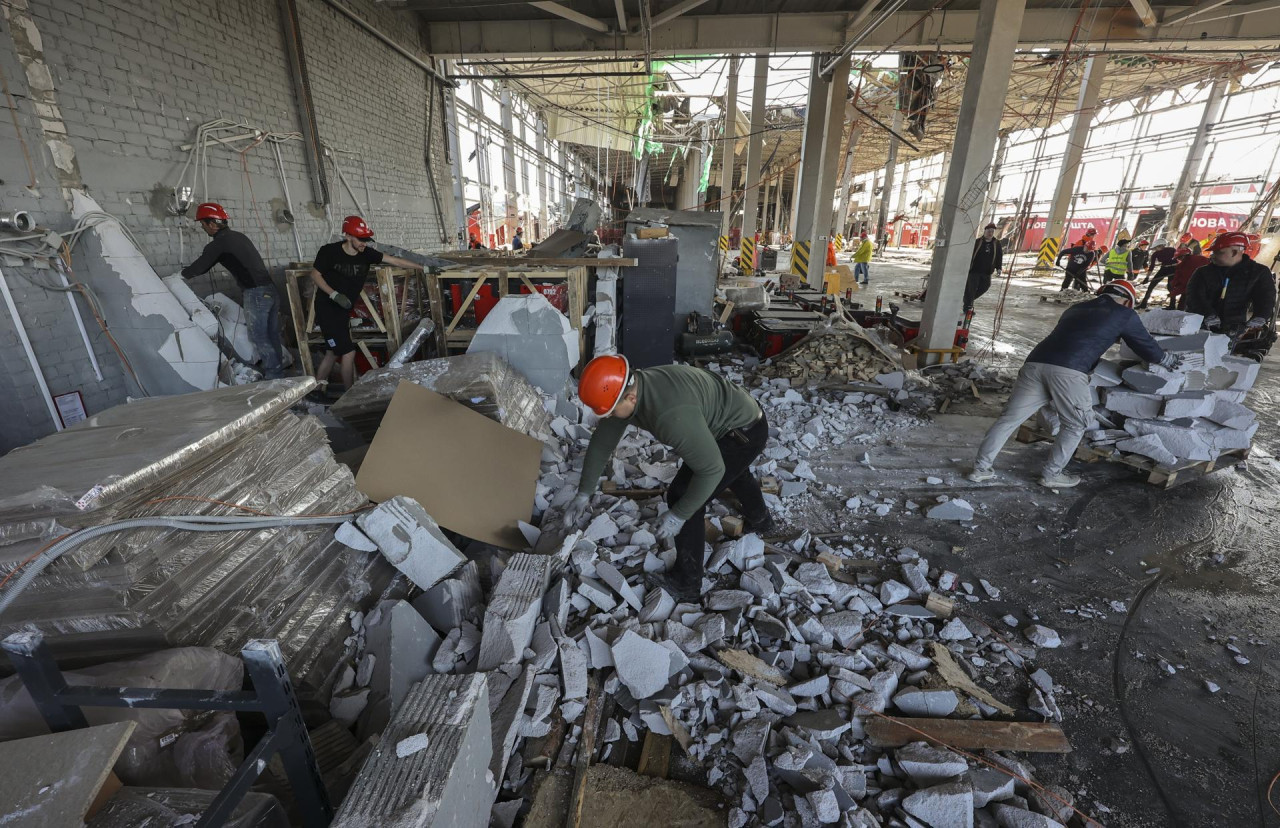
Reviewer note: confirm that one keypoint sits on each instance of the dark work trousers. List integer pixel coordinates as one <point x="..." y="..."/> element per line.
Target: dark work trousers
<point x="977" y="284"/>
<point x="1076" y="279"/>
<point x="1161" y="274"/>
<point x="739" y="449"/>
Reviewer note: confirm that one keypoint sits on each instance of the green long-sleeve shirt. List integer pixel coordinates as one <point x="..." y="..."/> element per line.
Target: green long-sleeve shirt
<point x="687" y="408"/>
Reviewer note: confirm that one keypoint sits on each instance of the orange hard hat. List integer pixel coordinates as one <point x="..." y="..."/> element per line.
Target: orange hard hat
<point x="603" y="381"/>
<point x="211" y="210"/>
<point x="1121" y="287"/>
<point x="355" y="226"/>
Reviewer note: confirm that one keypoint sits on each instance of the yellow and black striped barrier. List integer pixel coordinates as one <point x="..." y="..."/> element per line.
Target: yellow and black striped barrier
<point x="800" y="259"/>
<point x="1048" y="254"/>
<point x="747" y="255"/>
<point x="839" y="240"/>
<point x="724" y="244"/>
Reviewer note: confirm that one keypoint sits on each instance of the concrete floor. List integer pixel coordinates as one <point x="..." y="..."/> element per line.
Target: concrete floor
<point x="1191" y="570"/>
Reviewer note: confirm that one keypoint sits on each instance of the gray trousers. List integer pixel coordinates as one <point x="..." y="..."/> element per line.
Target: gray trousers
<point x="1039" y="385"/>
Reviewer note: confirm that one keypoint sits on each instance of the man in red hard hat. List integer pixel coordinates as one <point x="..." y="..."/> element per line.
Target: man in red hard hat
<point x="1232" y="291"/>
<point x="715" y="427"/>
<point x="234" y="251"/>
<point x="339" y="273"/>
<point x="1056" y="374"/>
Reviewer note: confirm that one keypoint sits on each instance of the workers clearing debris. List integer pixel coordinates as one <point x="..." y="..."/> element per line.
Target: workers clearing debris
<point x="715" y="427"/>
<point x="1164" y="264"/>
<point x="1117" y="262"/>
<point x="1232" y="288"/>
<point x="234" y="251"/>
<point x="1079" y="260"/>
<point x="339" y="273"/>
<point x="988" y="258"/>
<point x="1056" y="374"/>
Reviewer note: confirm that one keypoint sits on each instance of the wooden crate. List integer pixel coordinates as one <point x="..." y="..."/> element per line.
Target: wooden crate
<point x="1157" y="475"/>
<point x="451" y="338"/>
<point x="392" y="284"/>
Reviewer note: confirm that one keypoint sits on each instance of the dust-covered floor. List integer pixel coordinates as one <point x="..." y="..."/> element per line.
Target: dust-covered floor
<point x="1156" y="593"/>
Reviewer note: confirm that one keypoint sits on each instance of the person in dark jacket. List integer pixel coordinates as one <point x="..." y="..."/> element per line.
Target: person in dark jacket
<point x="1056" y="374"/>
<point x="1232" y="291"/>
<point x="1186" y="262"/>
<point x="1164" y="262"/>
<point x="234" y="251"/>
<point x="1139" y="259"/>
<point x="988" y="258"/>
<point x="1079" y="258"/>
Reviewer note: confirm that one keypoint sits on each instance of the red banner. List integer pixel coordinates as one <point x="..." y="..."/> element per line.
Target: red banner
<point x="1075" y="231"/>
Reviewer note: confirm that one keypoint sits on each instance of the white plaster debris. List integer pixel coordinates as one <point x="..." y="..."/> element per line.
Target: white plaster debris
<point x="411" y="540"/>
<point x="1042" y="636"/>
<point x="411" y="745"/>
<point x="952" y="509"/>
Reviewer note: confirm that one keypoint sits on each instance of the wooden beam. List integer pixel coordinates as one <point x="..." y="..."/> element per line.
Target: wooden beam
<point x="1143" y="8"/>
<point x="655" y="757"/>
<point x="969" y="734"/>
<point x="622" y="15"/>
<point x="514" y="261"/>
<point x="569" y="14"/>
<point x="586" y="754"/>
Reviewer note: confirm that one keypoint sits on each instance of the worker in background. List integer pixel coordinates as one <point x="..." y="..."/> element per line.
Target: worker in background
<point x="237" y="254"/>
<point x="1079" y="258"/>
<point x="517" y="241"/>
<point x="1163" y="263"/>
<point x="1056" y="374"/>
<point x="883" y="243"/>
<point x="339" y="272"/>
<point x="1139" y="258"/>
<point x="715" y="427"/>
<point x="1090" y="235"/>
<point x="988" y="258"/>
<point x="1117" y="262"/>
<point x="862" y="259"/>
<point x="1187" y="261"/>
<point x="1232" y="291"/>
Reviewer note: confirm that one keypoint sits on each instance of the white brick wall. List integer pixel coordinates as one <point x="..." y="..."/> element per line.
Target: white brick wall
<point x="134" y="78"/>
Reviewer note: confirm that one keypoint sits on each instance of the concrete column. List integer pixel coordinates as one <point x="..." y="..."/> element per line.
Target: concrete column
<point x="993" y="192"/>
<point x="755" y="148"/>
<point x="1179" y="207"/>
<point x="777" y="202"/>
<point x="882" y="218"/>
<point x="764" y="212"/>
<point x="540" y="126"/>
<point x="829" y="172"/>
<point x="846" y="179"/>
<point x="1086" y="105"/>
<point x="482" y="168"/>
<point x="796" y="180"/>
<point x="512" y="217"/>
<point x="687" y="192"/>
<point x="978" y="122"/>
<point x="937" y="203"/>
<point x="455" y="152"/>
<point x="727" y="143"/>
<point x="815" y="121"/>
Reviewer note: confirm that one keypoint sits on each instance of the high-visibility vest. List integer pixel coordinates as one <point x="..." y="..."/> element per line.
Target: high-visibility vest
<point x="1118" y="262"/>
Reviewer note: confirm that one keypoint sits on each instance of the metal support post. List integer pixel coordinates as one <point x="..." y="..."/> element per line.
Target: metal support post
<point x="512" y="190"/>
<point x="273" y="696"/>
<point x="777" y="201"/>
<point x="1178" y="206"/>
<point x="455" y="159"/>
<point x="996" y="38"/>
<point x="846" y="179"/>
<point x="755" y="148"/>
<point x="882" y="218"/>
<point x="1086" y="104"/>
<point x="727" y="149"/>
<point x="828" y="174"/>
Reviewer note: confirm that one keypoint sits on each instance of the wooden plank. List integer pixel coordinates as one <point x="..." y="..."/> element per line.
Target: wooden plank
<point x="436" y="297"/>
<point x="373" y="312"/>
<point x="52" y="781"/>
<point x="969" y="734"/>
<point x="466" y="303"/>
<point x="363" y="345"/>
<point x="586" y="754"/>
<point x="571" y="261"/>
<point x="655" y="757"/>
<point x="609" y="487"/>
<point x="953" y="675"/>
<point x="302" y="336"/>
<point x="724" y="314"/>
<point x="527" y="283"/>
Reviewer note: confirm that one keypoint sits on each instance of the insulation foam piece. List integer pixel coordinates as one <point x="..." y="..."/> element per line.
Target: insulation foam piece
<point x="513" y="610"/>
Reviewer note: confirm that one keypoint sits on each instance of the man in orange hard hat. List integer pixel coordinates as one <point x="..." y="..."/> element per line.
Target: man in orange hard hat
<point x="339" y="273"/>
<point x="1232" y="287"/>
<point x="234" y="251"/>
<point x="715" y="427"/>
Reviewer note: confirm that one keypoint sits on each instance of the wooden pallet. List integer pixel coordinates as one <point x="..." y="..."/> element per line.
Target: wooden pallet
<point x="1157" y="475"/>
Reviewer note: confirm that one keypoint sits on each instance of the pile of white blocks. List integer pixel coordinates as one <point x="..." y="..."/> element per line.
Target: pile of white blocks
<point x="1175" y="417"/>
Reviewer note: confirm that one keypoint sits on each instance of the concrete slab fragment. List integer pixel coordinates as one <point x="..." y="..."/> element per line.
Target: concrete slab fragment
<point x="411" y="540"/>
<point x="513" y="609"/>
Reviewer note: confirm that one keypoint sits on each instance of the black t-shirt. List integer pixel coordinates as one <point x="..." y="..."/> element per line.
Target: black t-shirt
<point x="345" y="274"/>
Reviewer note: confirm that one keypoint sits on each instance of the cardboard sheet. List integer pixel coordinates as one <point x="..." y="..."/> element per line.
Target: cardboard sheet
<point x="473" y="475"/>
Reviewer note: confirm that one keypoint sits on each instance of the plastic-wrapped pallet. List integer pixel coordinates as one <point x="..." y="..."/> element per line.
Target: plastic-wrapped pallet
<point x="483" y="382"/>
<point x="134" y="807"/>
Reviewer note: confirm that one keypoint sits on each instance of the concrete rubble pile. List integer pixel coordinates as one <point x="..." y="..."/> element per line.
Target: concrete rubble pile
<point x="143" y="589"/>
<point x="1175" y="417"/>
<point x="837" y="352"/>
<point x="769" y="681"/>
<point x="483" y="382"/>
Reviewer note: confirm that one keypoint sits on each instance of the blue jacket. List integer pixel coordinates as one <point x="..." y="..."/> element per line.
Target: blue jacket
<point x="1086" y="330"/>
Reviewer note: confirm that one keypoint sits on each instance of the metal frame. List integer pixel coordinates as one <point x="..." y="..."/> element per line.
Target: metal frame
<point x="59" y="703"/>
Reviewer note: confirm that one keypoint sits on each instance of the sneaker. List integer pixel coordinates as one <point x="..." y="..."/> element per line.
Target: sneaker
<point x="1059" y="480"/>
<point x="979" y="475"/>
<point x="764" y="528"/>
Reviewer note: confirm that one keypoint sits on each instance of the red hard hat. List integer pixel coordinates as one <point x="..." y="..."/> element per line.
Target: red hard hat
<point x="1143" y="243"/>
<point x="1123" y="287"/>
<point x="1092" y="231"/>
<point x="355" y="226"/>
<point x="603" y="381"/>
<point x="211" y="210"/>
<point x="1226" y="240"/>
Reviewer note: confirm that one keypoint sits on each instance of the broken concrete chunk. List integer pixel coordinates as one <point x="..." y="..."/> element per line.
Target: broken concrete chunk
<point x="611" y="576"/>
<point x="928" y="765"/>
<point x="408" y="537"/>
<point x="1042" y="636"/>
<point x="1184" y="404"/>
<point x="347" y="707"/>
<point x="955" y="630"/>
<point x="452" y="601"/>
<point x="990" y="785"/>
<point x="403" y="645"/>
<point x="513" y="610"/>
<point x="953" y="509"/>
<point x="950" y="805"/>
<point x="891" y="592"/>
<point x="933" y="703"/>
<point x="1170" y="322"/>
<point x="1153" y="380"/>
<point x="600" y="528"/>
<point x="348" y="535"/>
<point x="643" y="665"/>
<point x="1148" y="445"/>
<point x="745" y="663"/>
<point x="1134" y="403"/>
<point x="1007" y="816"/>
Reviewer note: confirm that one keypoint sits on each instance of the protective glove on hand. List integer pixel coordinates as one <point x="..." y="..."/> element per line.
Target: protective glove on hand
<point x="574" y="511"/>
<point x="1256" y="322"/>
<point x="668" y="527"/>
<point x="1211" y="322"/>
<point x="1182" y="362"/>
<point x="340" y="300"/>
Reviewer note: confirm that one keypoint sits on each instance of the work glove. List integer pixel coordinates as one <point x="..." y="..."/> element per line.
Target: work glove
<point x="340" y="300"/>
<point x="1182" y="362"/>
<point x="1211" y="322"/>
<point x="669" y="527"/>
<point x="574" y="511"/>
<point x="1256" y="322"/>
